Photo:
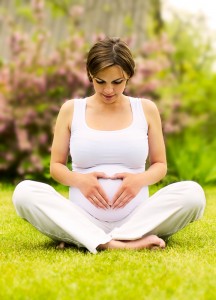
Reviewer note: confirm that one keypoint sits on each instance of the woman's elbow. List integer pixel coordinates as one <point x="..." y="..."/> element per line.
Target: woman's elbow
<point x="165" y="169"/>
<point x="52" y="170"/>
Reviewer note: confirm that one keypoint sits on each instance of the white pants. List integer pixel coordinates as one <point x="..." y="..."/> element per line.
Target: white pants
<point x="166" y="212"/>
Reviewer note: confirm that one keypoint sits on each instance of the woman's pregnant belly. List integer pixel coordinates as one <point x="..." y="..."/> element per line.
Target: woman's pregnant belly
<point x="110" y="186"/>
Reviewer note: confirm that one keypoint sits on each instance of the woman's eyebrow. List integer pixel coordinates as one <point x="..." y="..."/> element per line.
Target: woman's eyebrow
<point x="98" y="78"/>
<point x="112" y="80"/>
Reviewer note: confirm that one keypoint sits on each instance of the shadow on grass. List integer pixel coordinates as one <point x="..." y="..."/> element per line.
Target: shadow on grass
<point x="34" y="246"/>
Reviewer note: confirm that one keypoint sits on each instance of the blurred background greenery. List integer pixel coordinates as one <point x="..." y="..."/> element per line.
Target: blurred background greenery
<point x="42" y="64"/>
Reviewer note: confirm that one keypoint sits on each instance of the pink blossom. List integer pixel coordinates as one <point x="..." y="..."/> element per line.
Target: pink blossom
<point x="151" y="86"/>
<point x="9" y="156"/>
<point x="23" y="141"/>
<point x="20" y="170"/>
<point x="150" y="47"/>
<point x="40" y="83"/>
<point x="176" y="105"/>
<point x="76" y="11"/>
<point x="4" y="76"/>
<point x="35" y="163"/>
<point x="70" y="78"/>
<point x="3" y="127"/>
<point x="29" y="117"/>
<point x="43" y="139"/>
<point x="54" y="58"/>
<point x="137" y="79"/>
<point x="42" y="37"/>
<point x="62" y="71"/>
<point x="38" y="7"/>
<point x="97" y="37"/>
<point x="70" y="64"/>
<point x="171" y="128"/>
<point x="149" y="67"/>
<point x="78" y="41"/>
<point x="17" y="42"/>
<point x="78" y="57"/>
<point x="82" y="77"/>
<point x="168" y="48"/>
<point x="131" y="40"/>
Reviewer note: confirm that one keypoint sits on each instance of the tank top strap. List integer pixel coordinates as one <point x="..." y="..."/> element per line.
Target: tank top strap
<point x="78" y="120"/>
<point x="138" y="113"/>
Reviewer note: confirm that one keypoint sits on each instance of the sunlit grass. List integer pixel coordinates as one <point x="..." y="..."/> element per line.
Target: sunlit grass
<point x="31" y="267"/>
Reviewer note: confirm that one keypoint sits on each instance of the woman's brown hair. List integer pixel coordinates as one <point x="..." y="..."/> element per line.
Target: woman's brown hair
<point x="107" y="53"/>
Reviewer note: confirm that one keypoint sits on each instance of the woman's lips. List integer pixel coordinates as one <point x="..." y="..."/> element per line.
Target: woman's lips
<point x="108" y="96"/>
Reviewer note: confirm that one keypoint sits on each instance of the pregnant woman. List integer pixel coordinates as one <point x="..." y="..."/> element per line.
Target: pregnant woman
<point x="109" y="137"/>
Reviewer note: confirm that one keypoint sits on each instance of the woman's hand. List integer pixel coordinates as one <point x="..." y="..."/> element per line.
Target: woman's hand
<point x="131" y="185"/>
<point x="89" y="186"/>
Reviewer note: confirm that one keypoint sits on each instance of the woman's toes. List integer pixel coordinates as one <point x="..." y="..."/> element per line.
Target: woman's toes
<point x="61" y="246"/>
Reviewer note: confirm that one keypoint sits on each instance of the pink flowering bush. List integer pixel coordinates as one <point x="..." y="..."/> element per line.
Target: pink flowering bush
<point x="32" y="88"/>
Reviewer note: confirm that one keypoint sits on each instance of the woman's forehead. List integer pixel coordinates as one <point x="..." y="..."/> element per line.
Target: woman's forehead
<point x="114" y="71"/>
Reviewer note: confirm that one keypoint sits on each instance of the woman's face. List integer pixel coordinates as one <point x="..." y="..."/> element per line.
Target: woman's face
<point x="109" y="84"/>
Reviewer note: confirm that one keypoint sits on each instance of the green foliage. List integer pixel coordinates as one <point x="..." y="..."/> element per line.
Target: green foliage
<point x="192" y="81"/>
<point x="31" y="267"/>
<point x="189" y="102"/>
<point x="190" y="156"/>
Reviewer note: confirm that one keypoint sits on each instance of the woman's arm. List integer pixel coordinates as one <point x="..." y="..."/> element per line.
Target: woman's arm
<point x="157" y="152"/>
<point x="60" y="146"/>
<point x="132" y="183"/>
<point x="87" y="183"/>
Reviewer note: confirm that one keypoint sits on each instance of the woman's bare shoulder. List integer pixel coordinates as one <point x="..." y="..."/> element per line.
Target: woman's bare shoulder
<point x="149" y="105"/>
<point x="67" y="106"/>
<point x="66" y="112"/>
<point x="150" y="109"/>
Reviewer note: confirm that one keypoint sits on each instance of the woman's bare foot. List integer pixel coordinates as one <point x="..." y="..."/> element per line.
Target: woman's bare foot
<point x="148" y="242"/>
<point x="61" y="245"/>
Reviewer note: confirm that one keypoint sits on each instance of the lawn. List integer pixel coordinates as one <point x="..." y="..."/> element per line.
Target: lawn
<point x="31" y="267"/>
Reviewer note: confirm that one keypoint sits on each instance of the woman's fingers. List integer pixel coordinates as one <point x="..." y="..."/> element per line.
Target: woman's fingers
<point x="119" y="176"/>
<point x="102" y="198"/>
<point x="117" y="196"/>
<point x="94" y="200"/>
<point x="120" y="197"/>
<point x="99" y="198"/>
<point x="102" y="195"/>
<point x="122" y="203"/>
<point x="101" y="175"/>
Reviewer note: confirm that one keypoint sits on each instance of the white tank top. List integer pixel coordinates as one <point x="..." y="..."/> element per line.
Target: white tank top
<point x="111" y="152"/>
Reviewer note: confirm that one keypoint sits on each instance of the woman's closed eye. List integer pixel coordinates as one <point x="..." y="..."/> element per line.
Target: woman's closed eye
<point x="118" y="81"/>
<point x="113" y="82"/>
<point x="100" y="81"/>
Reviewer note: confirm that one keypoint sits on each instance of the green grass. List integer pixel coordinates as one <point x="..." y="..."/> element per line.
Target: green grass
<point x="31" y="267"/>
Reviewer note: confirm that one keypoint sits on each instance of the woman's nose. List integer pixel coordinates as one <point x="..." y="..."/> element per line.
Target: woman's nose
<point x="108" y="89"/>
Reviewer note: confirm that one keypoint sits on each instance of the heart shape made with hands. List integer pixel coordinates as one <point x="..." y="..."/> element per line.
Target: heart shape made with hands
<point x="110" y="186"/>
